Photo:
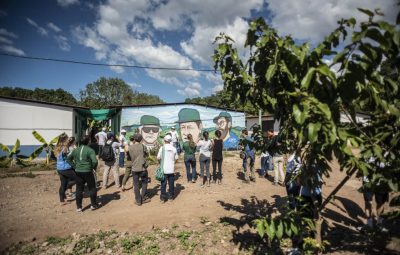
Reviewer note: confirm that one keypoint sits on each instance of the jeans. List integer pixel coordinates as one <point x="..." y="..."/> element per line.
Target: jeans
<point x="81" y="180"/>
<point x="140" y="180"/>
<point x="177" y="147"/>
<point x="217" y="163"/>
<point x="204" y="166"/>
<point x="106" y="172"/>
<point x="278" y="168"/>
<point x="293" y="191"/>
<point x="170" y="178"/>
<point x="100" y="150"/>
<point x="190" y="161"/>
<point x="249" y="160"/>
<point x="128" y="171"/>
<point x="121" y="158"/>
<point x="266" y="164"/>
<point x="67" y="178"/>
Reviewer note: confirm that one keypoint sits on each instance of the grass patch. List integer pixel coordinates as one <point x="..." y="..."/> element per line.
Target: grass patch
<point x="10" y="175"/>
<point x="60" y="241"/>
<point x="129" y="244"/>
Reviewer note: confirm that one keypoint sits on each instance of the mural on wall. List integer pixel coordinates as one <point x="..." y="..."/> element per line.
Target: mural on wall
<point x="154" y="122"/>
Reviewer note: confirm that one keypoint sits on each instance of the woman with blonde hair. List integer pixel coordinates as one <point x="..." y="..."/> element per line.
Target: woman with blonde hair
<point x="64" y="169"/>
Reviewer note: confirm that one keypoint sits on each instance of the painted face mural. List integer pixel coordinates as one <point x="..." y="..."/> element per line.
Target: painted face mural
<point x="155" y="121"/>
<point x="150" y="129"/>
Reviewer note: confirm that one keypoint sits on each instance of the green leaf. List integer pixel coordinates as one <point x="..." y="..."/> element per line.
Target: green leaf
<point x="21" y="162"/>
<point x="305" y="83"/>
<point x="325" y="109"/>
<point x="279" y="231"/>
<point x="376" y="35"/>
<point x="270" y="72"/>
<point x="260" y="228"/>
<point x="313" y="129"/>
<point x="298" y="115"/>
<point x="287" y="229"/>
<point x="4" y="148"/>
<point x="340" y="56"/>
<point x="294" y="228"/>
<point x="54" y="140"/>
<point x="38" y="137"/>
<point x="272" y="230"/>
<point x="16" y="147"/>
<point x="368" y="12"/>
<point x="36" y="153"/>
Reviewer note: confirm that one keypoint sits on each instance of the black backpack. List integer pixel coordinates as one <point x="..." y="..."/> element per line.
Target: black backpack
<point x="108" y="153"/>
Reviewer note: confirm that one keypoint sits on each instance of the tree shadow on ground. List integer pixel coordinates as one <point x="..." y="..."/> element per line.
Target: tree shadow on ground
<point x="245" y="235"/>
<point x="344" y="236"/>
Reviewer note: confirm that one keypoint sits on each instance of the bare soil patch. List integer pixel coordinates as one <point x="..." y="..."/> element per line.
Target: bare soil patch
<point x="30" y="213"/>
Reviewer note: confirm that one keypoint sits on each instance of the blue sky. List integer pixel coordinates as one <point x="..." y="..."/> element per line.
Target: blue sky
<point x="162" y="33"/>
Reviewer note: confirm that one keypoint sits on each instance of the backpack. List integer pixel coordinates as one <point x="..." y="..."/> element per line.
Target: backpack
<point x="108" y="153"/>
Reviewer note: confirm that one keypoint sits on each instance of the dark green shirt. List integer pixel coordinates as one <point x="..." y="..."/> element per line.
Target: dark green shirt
<point x="83" y="159"/>
<point x="189" y="151"/>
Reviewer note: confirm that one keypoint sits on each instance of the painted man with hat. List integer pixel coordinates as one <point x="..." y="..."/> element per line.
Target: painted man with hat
<point x="150" y="130"/>
<point x="190" y="123"/>
<point x="224" y="123"/>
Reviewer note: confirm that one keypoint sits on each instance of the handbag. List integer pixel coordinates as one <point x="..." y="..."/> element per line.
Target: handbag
<point x="160" y="170"/>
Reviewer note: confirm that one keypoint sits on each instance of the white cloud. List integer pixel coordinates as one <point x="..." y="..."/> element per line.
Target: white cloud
<point x="66" y="3"/>
<point x="40" y="29"/>
<point x="191" y="90"/>
<point x="216" y="80"/>
<point x="12" y="50"/>
<point x="7" y="33"/>
<point x="90" y="38"/>
<point x="54" y="27"/>
<point x="5" y="40"/>
<point x="312" y="20"/>
<point x="217" y="88"/>
<point x="134" y="85"/>
<point x="62" y="42"/>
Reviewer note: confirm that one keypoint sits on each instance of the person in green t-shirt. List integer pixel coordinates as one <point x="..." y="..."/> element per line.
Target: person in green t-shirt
<point x="189" y="148"/>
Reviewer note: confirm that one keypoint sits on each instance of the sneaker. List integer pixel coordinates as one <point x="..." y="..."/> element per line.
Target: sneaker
<point x="138" y="204"/>
<point x="79" y="210"/>
<point x="193" y="181"/>
<point x="146" y="200"/>
<point x="94" y="207"/>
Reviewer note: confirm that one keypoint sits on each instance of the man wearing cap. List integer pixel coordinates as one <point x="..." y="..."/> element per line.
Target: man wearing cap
<point x="224" y="123"/>
<point x="150" y="130"/>
<point x="167" y="155"/>
<point x="190" y="123"/>
<point x="123" y="141"/>
<point x="101" y="138"/>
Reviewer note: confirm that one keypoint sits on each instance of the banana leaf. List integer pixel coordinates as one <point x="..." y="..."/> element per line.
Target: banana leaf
<point x="36" y="153"/>
<point x="21" y="162"/>
<point x="22" y="156"/>
<point x="4" y="148"/>
<point x="55" y="140"/>
<point x="3" y="158"/>
<point x="6" y="163"/>
<point x="38" y="137"/>
<point x="16" y="147"/>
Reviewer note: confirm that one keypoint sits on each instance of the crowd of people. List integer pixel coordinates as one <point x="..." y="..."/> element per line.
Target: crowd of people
<point x="77" y="165"/>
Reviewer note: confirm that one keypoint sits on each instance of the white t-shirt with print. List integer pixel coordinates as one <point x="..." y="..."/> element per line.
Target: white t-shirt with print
<point x="170" y="155"/>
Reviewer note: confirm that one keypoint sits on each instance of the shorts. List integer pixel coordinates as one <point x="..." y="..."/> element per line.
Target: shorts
<point x="380" y="198"/>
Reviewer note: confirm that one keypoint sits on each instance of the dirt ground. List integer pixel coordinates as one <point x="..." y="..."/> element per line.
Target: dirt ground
<point x="30" y="210"/>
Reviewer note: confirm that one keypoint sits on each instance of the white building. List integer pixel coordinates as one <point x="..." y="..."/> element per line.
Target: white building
<point x="20" y="117"/>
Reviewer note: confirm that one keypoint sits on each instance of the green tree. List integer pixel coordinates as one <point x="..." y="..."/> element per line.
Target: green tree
<point x="107" y="92"/>
<point x="46" y="95"/>
<point x="300" y="89"/>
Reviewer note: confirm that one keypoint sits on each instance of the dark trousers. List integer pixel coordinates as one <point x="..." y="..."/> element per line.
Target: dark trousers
<point x="121" y="158"/>
<point x="217" y="174"/>
<point x="266" y="164"/>
<point x="293" y="192"/>
<point x="68" y="179"/>
<point x="190" y="161"/>
<point x="170" y="178"/>
<point x="140" y="180"/>
<point x="81" y="180"/>
<point x="308" y="207"/>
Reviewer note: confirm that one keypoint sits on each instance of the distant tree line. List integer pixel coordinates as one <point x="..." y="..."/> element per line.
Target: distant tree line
<point x="103" y="93"/>
<point x="222" y="99"/>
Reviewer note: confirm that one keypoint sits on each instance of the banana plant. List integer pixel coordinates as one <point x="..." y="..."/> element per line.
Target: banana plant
<point x="48" y="147"/>
<point x="13" y="157"/>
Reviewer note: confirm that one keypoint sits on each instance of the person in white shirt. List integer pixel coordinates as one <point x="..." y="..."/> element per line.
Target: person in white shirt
<point x="123" y="141"/>
<point x="167" y="154"/>
<point x="101" y="138"/>
<point x="111" y="165"/>
<point x="175" y="139"/>
<point x="204" y="158"/>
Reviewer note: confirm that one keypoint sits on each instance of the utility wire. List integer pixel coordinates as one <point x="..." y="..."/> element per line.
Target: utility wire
<point x="108" y="65"/>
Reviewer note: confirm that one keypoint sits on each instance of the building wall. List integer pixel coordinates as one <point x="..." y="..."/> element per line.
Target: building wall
<point x="168" y="116"/>
<point x="19" y="119"/>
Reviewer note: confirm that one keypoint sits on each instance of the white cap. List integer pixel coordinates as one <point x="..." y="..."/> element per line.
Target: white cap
<point x="104" y="129"/>
<point x="167" y="138"/>
<point x="173" y="127"/>
<point x="123" y="131"/>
